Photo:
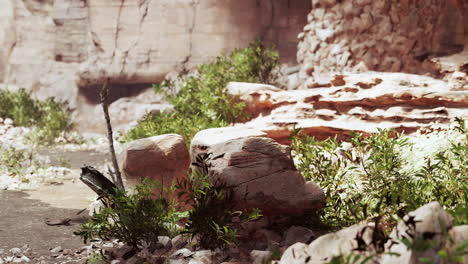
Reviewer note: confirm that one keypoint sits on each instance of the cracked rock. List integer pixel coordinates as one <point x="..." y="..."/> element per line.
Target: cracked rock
<point x="262" y="175"/>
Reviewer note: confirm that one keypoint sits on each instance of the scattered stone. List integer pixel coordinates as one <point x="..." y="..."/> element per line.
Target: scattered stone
<point x="165" y="241"/>
<point x="260" y="256"/>
<point x="203" y="256"/>
<point x="184" y="252"/>
<point x="15" y="251"/>
<point x="8" y="122"/>
<point x="297" y="234"/>
<point x="179" y="242"/>
<point x="56" y="249"/>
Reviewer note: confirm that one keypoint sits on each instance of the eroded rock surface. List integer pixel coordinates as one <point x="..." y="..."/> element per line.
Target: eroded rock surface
<point x="354" y="102"/>
<point x="262" y="175"/>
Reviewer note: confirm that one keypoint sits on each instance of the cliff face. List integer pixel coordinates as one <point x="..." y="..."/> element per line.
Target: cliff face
<point x="390" y="36"/>
<point x="66" y="48"/>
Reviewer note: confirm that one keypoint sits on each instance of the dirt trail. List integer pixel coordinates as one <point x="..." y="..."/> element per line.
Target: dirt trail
<point x="22" y="222"/>
<point x="23" y="215"/>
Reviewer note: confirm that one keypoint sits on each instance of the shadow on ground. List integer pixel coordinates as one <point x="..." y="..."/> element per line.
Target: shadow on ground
<point x="22" y="222"/>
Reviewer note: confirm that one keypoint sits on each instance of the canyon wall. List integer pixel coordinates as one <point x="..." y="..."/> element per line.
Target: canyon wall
<point x="389" y="36"/>
<point x="67" y="48"/>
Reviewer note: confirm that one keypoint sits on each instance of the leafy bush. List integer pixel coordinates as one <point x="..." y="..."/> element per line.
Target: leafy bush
<point x="369" y="178"/>
<point x="211" y="219"/>
<point x="134" y="219"/>
<point x="49" y="116"/>
<point x="202" y="100"/>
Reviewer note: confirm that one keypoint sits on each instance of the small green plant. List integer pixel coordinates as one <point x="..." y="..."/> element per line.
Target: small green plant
<point x="212" y="218"/>
<point x="134" y="219"/>
<point x="13" y="160"/>
<point x="202" y="100"/>
<point x="49" y="117"/>
<point x="97" y="258"/>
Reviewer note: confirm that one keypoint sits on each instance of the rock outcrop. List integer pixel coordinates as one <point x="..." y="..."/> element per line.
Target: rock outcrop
<point x="353" y="102"/>
<point x="398" y="36"/>
<point x="262" y="175"/>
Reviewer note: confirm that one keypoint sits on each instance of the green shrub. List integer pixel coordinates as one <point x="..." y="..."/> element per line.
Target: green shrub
<point x="134" y="219"/>
<point x="138" y="219"/>
<point x="14" y="161"/>
<point x="49" y="117"/>
<point x="369" y="178"/>
<point x="203" y="101"/>
<point x="211" y="218"/>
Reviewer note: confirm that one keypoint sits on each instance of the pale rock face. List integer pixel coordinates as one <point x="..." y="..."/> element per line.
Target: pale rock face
<point x="63" y="48"/>
<point x="164" y="158"/>
<point x="262" y="175"/>
<point x="360" y="102"/>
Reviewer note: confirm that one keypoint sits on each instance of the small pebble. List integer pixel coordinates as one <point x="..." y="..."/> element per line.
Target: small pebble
<point x="8" y="122"/>
<point x="15" y="251"/>
<point x="56" y="249"/>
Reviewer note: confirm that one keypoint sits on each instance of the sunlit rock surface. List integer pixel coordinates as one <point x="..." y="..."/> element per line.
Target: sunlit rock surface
<point x="360" y="102"/>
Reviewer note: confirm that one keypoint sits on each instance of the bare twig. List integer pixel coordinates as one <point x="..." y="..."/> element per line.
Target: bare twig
<point x="105" y="108"/>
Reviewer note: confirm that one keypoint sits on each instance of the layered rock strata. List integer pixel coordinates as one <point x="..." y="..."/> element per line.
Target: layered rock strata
<point x="353" y="103"/>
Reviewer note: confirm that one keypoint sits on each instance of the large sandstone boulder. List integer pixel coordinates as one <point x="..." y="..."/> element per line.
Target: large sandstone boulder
<point x="262" y="175"/>
<point x="164" y="158"/>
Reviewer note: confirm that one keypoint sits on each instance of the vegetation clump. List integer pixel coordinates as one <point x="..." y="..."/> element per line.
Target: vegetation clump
<point x="138" y="219"/>
<point x="202" y="100"/>
<point x="49" y="117"/>
<point x="135" y="219"/>
<point x="212" y="219"/>
<point x="375" y="177"/>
